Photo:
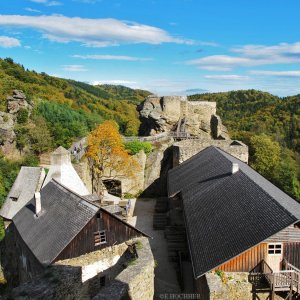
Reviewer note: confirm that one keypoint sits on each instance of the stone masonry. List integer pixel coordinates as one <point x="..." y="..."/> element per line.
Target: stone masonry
<point x="229" y="286"/>
<point x="80" y="278"/>
<point x="183" y="150"/>
<point x="171" y="113"/>
<point x="136" y="282"/>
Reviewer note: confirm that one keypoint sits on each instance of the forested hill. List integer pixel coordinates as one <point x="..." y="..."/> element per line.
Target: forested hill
<point x="270" y="125"/>
<point x="71" y="108"/>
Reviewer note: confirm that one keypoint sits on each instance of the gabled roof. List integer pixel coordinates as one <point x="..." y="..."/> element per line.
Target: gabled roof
<point x="225" y="213"/>
<point x="28" y="181"/>
<point x="64" y="214"/>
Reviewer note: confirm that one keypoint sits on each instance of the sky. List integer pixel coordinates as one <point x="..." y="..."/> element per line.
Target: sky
<point x="166" y="46"/>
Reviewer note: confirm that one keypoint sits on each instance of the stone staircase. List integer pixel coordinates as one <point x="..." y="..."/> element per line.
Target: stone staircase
<point x="160" y="217"/>
<point x="176" y="241"/>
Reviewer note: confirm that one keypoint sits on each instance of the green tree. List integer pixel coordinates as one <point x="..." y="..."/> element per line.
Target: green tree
<point x="136" y="146"/>
<point x="40" y="137"/>
<point x="22" y="137"/>
<point x="285" y="174"/>
<point x="265" y="154"/>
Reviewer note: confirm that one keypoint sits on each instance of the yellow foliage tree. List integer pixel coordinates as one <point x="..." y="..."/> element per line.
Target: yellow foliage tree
<point x="107" y="156"/>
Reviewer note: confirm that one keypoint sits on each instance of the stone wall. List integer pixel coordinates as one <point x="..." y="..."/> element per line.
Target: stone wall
<point x="228" y="286"/>
<point x="83" y="277"/>
<point x="163" y="114"/>
<point x="136" y="282"/>
<point x="77" y="277"/>
<point x="183" y="150"/>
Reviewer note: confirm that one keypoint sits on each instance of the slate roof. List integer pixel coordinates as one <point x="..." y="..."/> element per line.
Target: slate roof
<point x="64" y="214"/>
<point x="225" y="213"/>
<point x="28" y="181"/>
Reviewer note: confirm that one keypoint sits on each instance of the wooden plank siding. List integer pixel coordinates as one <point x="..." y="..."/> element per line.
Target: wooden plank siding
<point x="291" y="252"/>
<point x="246" y="261"/>
<point x="116" y="231"/>
<point x="32" y="266"/>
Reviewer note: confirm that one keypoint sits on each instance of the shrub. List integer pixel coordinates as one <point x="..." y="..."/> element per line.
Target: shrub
<point x="22" y="116"/>
<point x="136" y="146"/>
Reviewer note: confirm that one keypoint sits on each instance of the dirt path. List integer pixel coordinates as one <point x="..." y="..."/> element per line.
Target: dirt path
<point x="165" y="275"/>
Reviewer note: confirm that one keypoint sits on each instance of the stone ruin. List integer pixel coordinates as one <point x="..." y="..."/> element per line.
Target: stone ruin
<point x="177" y="114"/>
<point x="201" y="126"/>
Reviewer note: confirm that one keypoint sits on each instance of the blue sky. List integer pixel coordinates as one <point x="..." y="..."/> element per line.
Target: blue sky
<point x="166" y="46"/>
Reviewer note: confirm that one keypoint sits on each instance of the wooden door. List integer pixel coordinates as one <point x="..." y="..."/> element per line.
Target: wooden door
<point x="275" y="256"/>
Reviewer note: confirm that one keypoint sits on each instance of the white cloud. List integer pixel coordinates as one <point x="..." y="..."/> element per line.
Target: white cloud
<point x="74" y="68"/>
<point x="47" y="2"/>
<point x="32" y="9"/>
<point x="87" y="1"/>
<point x="210" y="44"/>
<point x="276" y="73"/>
<point x="112" y="57"/>
<point x="9" y="42"/>
<point x="261" y="50"/>
<point x="249" y="56"/>
<point x="92" y="32"/>
<point x="117" y="81"/>
<point x="227" y="77"/>
<point x="223" y="62"/>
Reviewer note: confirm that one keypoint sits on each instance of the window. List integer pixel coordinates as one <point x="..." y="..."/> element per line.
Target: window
<point x="274" y="249"/>
<point x="102" y="281"/>
<point x="100" y="237"/>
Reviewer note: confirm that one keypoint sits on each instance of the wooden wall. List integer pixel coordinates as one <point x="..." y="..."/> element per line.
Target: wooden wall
<point x="291" y="252"/>
<point x="117" y="232"/>
<point x="33" y="266"/>
<point x="246" y="261"/>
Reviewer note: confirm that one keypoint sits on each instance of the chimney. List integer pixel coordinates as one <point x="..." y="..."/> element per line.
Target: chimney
<point x="38" y="204"/>
<point x="235" y="168"/>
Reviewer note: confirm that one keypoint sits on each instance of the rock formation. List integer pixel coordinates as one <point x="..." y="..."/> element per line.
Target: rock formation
<point x="7" y="123"/>
<point x="177" y="114"/>
<point x="16" y="102"/>
<point x="201" y="125"/>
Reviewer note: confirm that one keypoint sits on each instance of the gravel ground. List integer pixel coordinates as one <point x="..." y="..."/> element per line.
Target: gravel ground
<point x="165" y="275"/>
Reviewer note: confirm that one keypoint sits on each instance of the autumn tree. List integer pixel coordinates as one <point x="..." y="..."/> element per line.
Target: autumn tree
<point x="107" y="156"/>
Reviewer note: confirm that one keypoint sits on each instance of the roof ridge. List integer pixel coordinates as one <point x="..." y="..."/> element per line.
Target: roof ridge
<point x="224" y="153"/>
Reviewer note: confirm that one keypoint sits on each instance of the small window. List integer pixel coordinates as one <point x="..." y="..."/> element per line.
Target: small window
<point x="102" y="281"/>
<point x="275" y="249"/>
<point x="100" y="237"/>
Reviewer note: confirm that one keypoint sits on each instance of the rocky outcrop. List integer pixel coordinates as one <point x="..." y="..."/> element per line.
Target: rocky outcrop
<point x="7" y="133"/>
<point x="16" y="102"/>
<point x="177" y="114"/>
<point x="7" y="123"/>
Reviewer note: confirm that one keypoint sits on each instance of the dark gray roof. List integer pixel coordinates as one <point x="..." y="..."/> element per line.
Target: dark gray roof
<point x="28" y="181"/>
<point x="225" y="213"/>
<point x="64" y="214"/>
